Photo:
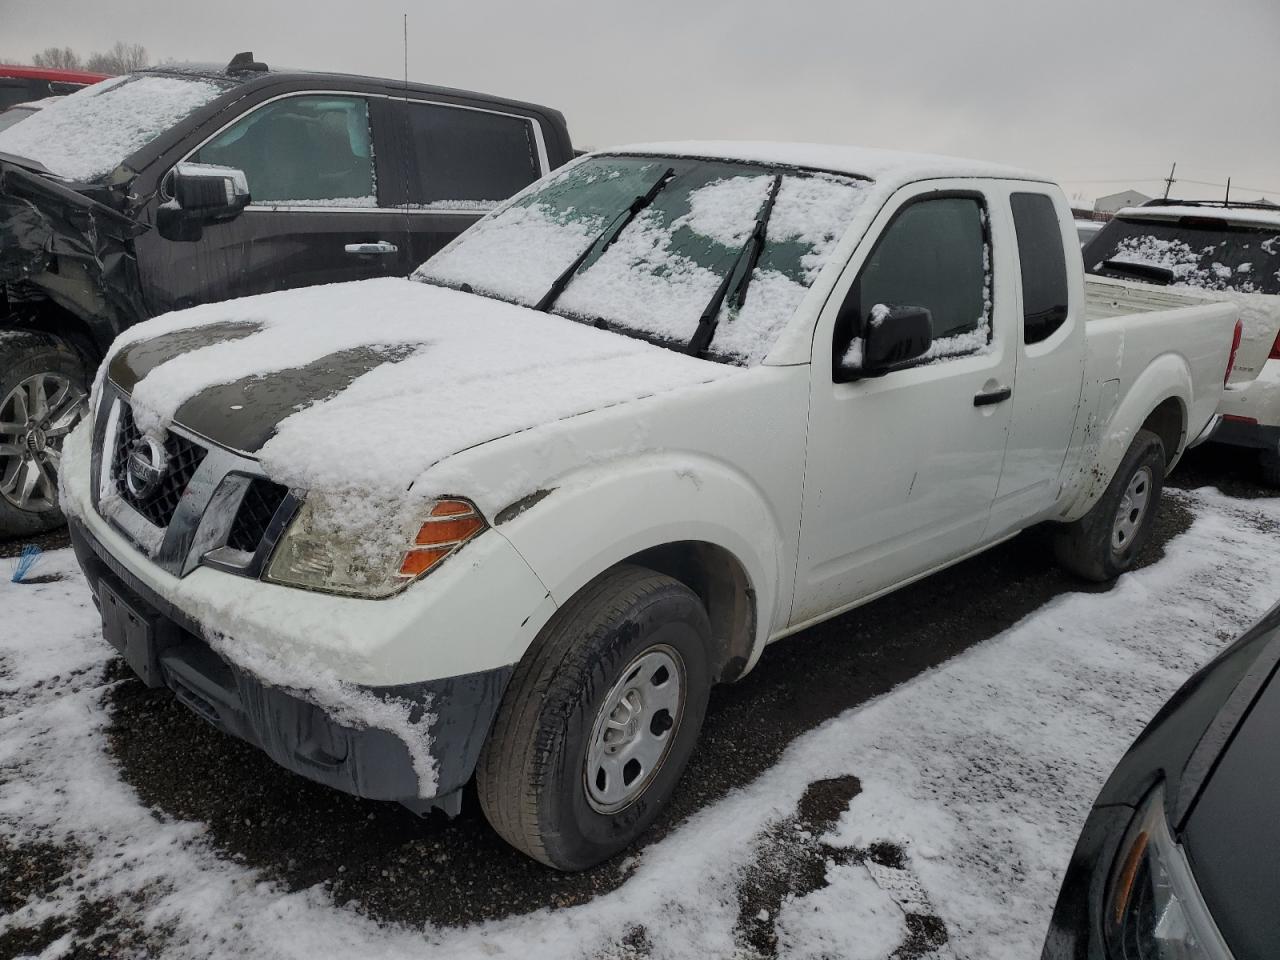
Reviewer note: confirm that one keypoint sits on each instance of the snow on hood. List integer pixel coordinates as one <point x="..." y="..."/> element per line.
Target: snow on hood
<point x="88" y="134"/>
<point x="366" y="385"/>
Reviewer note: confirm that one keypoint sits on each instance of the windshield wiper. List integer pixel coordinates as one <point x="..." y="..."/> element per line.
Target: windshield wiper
<point x="733" y="288"/>
<point x="604" y="240"/>
<point x="1143" y="271"/>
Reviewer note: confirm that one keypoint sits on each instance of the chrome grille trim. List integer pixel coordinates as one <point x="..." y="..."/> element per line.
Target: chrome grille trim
<point x="203" y="519"/>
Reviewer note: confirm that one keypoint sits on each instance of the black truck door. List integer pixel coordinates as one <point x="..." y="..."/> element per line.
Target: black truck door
<point x="462" y="162"/>
<point x="320" y="212"/>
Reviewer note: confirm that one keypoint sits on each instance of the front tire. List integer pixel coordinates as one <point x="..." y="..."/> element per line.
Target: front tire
<point x="599" y="720"/>
<point x="43" y="394"/>
<point x="1105" y="542"/>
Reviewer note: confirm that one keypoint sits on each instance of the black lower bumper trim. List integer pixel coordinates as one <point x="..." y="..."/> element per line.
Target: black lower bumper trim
<point x="1244" y="433"/>
<point x="295" y="732"/>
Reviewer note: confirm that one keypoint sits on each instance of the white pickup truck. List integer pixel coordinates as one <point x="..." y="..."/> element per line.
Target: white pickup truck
<point x="514" y="516"/>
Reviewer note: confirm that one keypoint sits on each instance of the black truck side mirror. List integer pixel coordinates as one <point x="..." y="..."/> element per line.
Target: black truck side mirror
<point x="895" y="335"/>
<point x="202" y="193"/>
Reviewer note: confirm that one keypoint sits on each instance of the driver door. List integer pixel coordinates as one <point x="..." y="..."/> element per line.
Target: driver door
<point x="902" y="467"/>
<point x="320" y="182"/>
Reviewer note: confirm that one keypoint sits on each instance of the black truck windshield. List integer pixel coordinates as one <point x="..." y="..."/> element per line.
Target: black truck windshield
<point x="685" y="224"/>
<point x="1205" y="252"/>
<point x="86" y="135"/>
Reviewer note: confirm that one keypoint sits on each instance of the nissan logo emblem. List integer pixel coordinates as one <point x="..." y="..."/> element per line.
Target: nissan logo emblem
<point x="145" y="467"/>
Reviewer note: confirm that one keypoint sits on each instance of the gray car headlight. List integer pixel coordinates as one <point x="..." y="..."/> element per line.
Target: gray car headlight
<point x="1154" y="910"/>
<point x="322" y="549"/>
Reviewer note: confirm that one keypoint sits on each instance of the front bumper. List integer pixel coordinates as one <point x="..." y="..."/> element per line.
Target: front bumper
<point x="455" y="713"/>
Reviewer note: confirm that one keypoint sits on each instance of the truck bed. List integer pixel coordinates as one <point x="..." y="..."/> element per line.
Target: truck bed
<point x="1113" y="298"/>
<point x="1260" y="314"/>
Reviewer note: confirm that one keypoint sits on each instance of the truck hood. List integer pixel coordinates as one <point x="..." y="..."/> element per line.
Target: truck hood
<point x="367" y="385"/>
<point x="73" y="248"/>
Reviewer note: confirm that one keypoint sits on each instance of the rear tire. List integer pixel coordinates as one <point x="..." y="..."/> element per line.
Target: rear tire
<point x="1105" y="542"/>
<point x="43" y="394"/>
<point x="627" y="659"/>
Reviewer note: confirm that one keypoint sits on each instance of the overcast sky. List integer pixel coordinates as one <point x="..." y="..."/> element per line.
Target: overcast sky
<point x="1088" y="91"/>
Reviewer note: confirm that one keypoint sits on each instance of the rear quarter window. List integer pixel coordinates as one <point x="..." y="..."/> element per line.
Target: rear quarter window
<point x="1043" y="263"/>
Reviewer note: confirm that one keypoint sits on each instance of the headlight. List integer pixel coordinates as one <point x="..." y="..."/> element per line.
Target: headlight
<point x="1154" y="910"/>
<point x="326" y="548"/>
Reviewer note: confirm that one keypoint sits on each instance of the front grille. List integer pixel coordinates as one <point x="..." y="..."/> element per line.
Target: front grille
<point x="261" y="501"/>
<point x="185" y="458"/>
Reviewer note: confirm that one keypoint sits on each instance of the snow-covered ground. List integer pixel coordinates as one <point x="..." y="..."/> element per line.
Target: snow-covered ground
<point x="939" y="817"/>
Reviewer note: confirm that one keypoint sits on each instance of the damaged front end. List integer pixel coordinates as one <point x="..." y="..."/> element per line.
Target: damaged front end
<point x="62" y="246"/>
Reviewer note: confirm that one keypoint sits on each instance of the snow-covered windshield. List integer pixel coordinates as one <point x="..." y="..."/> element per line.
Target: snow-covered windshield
<point x="700" y="248"/>
<point x="1200" y="252"/>
<point x="86" y="135"/>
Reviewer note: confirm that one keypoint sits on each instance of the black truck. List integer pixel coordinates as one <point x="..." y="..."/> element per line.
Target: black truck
<point x="182" y="185"/>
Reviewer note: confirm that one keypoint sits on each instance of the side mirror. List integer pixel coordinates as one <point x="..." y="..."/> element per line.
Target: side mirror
<point x="893" y="336"/>
<point x="202" y="193"/>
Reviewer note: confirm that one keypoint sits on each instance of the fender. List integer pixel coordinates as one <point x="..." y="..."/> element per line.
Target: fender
<point x="650" y="501"/>
<point x="1167" y="377"/>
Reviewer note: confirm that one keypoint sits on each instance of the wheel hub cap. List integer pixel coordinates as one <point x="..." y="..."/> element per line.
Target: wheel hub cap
<point x="634" y="729"/>
<point x="35" y="440"/>
<point x="1132" y="510"/>
<point x="35" y="417"/>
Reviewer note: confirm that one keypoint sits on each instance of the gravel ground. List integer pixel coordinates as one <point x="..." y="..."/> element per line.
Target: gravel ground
<point x="395" y="867"/>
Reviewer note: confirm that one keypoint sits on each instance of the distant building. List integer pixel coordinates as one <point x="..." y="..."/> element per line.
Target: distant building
<point x="1118" y="201"/>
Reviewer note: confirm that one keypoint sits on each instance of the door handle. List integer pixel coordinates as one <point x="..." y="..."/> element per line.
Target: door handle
<point x="377" y="246"/>
<point x="988" y="397"/>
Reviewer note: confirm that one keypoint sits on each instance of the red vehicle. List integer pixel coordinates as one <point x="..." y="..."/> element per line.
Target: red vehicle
<point x="24" y="84"/>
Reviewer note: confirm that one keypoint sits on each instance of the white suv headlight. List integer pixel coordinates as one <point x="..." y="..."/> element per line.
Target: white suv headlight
<point x="321" y="551"/>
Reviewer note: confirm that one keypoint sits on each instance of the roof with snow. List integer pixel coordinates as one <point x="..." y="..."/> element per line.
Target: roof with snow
<point x="1251" y="216"/>
<point x="865" y="162"/>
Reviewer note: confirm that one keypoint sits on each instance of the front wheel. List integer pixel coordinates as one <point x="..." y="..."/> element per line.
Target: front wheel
<point x="599" y="720"/>
<point x="1105" y="542"/>
<point x="43" y="394"/>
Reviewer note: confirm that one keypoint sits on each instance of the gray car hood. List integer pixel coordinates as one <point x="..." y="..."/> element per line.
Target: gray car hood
<point x="369" y="384"/>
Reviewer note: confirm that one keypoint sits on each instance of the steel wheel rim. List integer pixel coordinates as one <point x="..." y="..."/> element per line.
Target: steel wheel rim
<point x="1132" y="510"/>
<point x="637" y="722"/>
<point x="35" y="418"/>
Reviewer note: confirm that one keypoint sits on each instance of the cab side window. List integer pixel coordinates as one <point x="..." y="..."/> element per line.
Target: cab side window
<point x="467" y="159"/>
<point x="934" y="254"/>
<point x="1044" y="265"/>
<point x="312" y="150"/>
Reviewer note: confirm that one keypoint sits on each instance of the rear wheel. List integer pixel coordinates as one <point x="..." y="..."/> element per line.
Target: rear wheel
<point x="43" y="394"/>
<point x="599" y="720"/>
<point x="1105" y="542"/>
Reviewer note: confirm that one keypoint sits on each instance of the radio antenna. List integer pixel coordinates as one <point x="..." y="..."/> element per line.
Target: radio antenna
<point x="406" y="51"/>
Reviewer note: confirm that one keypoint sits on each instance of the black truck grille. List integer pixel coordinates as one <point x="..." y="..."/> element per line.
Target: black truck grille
<point x="185" y="458"/>
<point x="259" y="506"/>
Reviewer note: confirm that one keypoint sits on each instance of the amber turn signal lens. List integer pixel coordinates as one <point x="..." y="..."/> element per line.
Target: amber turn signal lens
<point x="418" y="562"/>
<point x="1128" y="873"/>
<point x="448" y="531"/>
<point x="450" y="524"/>
<point x="451" y="508"/>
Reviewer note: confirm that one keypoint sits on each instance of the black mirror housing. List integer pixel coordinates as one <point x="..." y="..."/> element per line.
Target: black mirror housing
<point x="202" y="193"/>
<point x="895" y="335"/>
